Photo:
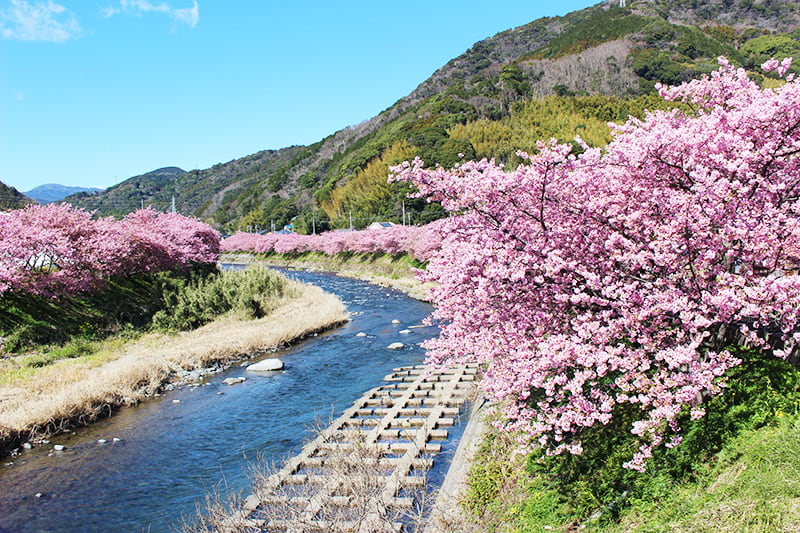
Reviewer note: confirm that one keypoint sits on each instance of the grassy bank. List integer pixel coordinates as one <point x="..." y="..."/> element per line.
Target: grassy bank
<point x="738" y="469"/>
<point x="395" y="271"/>
<point x="50" y="389"/>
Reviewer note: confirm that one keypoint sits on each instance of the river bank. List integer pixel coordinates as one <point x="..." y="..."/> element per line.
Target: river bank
<point x="75" y="392"/>
<point x="150" y="465"/>
<point x="396" y="272"/>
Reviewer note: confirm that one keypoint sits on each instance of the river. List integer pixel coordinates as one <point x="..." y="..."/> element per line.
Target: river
<point x="172" y="450"/>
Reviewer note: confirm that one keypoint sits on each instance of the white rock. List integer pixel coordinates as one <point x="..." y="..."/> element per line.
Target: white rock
<point x="116" y="439"/>
<point x="395" y="346"/>
<point x="59" y="447"/>
<point x="27" y="445"/>
<point x="101" y="441"/>
<point x="176" y="401"/>
<point x="405" y="331"/>
<point x="39" y="494"/>
<point x="395" y="321"/>
<point x="233" y="381"/>
<point x="267" y="365"/>
<point x="361" y="334"/>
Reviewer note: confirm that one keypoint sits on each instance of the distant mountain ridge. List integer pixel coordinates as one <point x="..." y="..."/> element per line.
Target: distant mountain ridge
<point x="147" y="189"/>
<point x="553" y="77"/>
<point x="53" y="192"/>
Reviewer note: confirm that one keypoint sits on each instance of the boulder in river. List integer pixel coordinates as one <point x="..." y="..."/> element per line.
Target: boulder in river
<point x="361" y="334"/>
<point x="233" y="381"/>
<point x="395" y="321"/>
<point x="267" y="365"/>
<point x="395" y="346"/>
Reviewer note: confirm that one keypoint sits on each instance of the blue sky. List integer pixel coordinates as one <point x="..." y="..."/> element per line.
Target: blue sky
<point x="93" y="92"/>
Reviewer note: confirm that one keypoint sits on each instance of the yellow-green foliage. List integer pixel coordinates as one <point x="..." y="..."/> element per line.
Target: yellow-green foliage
<point x="254" y="291"/>
<point x="552" y="117"/>
<point x="368" y="190"/>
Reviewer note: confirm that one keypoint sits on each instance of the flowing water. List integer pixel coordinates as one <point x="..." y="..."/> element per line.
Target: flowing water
<point x="173" y="450"/>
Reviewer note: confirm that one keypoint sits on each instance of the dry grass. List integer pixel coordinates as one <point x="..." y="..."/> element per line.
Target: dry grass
<point x="78" y="391"/>
<point x="346" y="493"/>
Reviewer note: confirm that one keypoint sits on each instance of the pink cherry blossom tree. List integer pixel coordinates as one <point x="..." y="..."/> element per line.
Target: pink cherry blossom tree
<point x="57" y="250"/>
<point x="395" y="240"/>
<point x="615" y="279"/>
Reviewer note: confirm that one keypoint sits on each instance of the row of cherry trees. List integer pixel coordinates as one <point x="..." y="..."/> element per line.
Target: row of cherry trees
<point x="613" y="280"/>
<point x="57" y="250"/>
<point x="419" y="241"/>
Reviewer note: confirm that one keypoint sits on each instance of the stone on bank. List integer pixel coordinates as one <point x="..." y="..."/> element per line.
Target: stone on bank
<point x="267" y="365"/>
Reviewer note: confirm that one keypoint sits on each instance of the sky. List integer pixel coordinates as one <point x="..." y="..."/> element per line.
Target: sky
<point x="93" y="92"/>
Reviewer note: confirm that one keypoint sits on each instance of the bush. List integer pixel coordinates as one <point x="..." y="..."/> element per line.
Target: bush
<point x="253" y="291"/>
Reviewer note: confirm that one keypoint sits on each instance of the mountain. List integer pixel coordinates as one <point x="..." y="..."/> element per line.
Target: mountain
<point x="148" y="189"/>
<point x="52" y="192"/>
<point x="553" y="77"/>
<point x="11" y="198"/>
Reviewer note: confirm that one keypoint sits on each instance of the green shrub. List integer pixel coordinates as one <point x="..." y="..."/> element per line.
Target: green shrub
<point x="253" y="291"/>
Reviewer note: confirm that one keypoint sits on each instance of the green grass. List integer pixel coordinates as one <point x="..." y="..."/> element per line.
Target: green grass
<point x="738" y="469"/>
<point x="753" y="485"/>
<point x="18" y="368"/>
<point x="28" y="321"/>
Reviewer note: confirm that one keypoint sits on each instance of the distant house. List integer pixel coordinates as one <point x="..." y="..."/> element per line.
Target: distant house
<point x="380" y="225"/>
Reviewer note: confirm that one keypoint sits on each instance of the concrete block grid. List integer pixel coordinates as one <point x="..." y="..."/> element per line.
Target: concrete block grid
<point x="370" y="462"/>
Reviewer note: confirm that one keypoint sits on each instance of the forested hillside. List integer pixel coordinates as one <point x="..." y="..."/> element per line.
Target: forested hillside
<point x="11" y="198"/>
<point x="554" y="77"/>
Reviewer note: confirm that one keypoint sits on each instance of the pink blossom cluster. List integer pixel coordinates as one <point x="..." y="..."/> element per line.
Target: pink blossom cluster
<point x="615" y="279"/>
<point x="419" y="241"/>
<point x="56" y="250"/>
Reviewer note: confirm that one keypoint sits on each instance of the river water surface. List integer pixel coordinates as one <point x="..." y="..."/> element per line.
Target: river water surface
<point x="174" y="449"/>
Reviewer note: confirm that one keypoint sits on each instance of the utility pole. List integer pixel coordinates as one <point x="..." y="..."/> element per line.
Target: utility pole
<point x="173" y="204"/>
<point x="404" y="212"/>
<point x="313" y="225"/>
<point x="351" y="221"/>
<point x="272" y="225"/>
<point x="142" y="202"/>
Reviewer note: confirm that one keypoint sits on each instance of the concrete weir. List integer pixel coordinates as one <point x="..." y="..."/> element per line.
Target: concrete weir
<point x="369" y="463"/>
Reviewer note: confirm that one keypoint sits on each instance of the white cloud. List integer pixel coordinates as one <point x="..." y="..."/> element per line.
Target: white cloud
<point x="109" y="11"/>
<point x="38" y="21"/>
<point x="188" y="15"/>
